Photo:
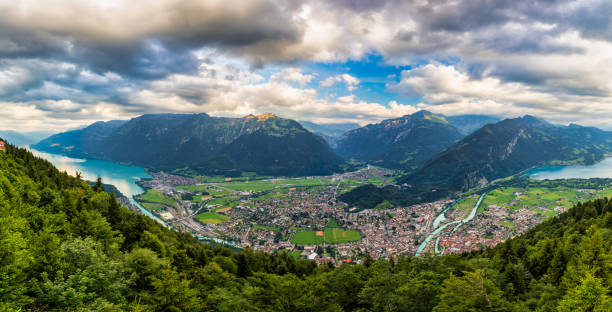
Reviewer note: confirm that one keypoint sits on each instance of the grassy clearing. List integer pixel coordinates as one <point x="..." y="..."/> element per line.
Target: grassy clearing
<point x="211" y="217"/>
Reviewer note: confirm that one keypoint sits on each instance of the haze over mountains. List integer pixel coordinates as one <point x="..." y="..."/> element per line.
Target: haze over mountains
<point x="23" y="139"/>
<point x="330" y="132"/>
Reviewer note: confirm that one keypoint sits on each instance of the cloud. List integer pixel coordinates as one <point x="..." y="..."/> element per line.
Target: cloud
<point x="292" y="74"/>
<point x="350" y="81"/>
<point x="450" y="90"/>
<point x="249" y="93"/>
<point x="122" y="58"/>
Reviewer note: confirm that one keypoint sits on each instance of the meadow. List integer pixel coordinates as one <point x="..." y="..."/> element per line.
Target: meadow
<point x="154" y="200"/>
<point x="211" y="217"/>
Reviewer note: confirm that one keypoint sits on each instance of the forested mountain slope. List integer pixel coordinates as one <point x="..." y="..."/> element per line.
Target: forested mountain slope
<point x="506" y="148"/>
<point x="400" y="143"/>
<point x="65" y="246"/>
<point x="265" y="144"/>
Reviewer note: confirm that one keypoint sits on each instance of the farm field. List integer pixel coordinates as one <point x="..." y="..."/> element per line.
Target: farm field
<point x="152" y="207"/>
<point x="466" y="203"/>
<point x="155" y="196"/>
<point x="516" y="198"/>
<point x="223" y="202"/>
<point x="211" y="217"/>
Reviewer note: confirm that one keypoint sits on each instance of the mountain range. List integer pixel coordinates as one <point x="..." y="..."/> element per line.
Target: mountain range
<point x="494" y="151"/>
<point x="406" y="142"/>
<point x="508" y="147"/>
<point x="198" y="143"/>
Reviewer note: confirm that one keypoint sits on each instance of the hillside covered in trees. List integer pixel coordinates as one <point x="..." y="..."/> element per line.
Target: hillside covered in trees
<point x="66" y="246"/>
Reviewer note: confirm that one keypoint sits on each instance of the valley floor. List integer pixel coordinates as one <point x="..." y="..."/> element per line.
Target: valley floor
<point x="303" y="217"/>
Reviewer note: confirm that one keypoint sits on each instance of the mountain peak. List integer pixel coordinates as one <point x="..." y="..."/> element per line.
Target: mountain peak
<point x="429" y="116"/>
<point x="261" y="117"/>
<point x="535" y="121"/>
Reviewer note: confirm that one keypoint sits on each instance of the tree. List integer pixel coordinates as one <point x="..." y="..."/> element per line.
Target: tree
<point x="173" y="293"/>
<point x="589" y="296"/>
<point x="472" y="292"/>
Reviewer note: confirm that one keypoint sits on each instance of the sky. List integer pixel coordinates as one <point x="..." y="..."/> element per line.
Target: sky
<point x="67" y="63"/>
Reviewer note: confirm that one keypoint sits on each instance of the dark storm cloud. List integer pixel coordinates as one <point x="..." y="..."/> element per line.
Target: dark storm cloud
<point x="152" y="51"/>
<point x="361" y="5"/>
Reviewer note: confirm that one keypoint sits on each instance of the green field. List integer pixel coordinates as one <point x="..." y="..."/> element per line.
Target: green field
<point x="330" y="236"/>
<point x="211" y="217"/>
<point x="152" y="207"/>
<point x="466" y="203"/>
<point x="155" y="196"/>
<point x="337" y="236"/>
<point x="306" y="238"/>
<point x="210" y="189"/>
<point x="223" y="202"/>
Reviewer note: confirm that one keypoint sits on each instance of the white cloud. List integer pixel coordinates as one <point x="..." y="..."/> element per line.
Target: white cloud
<point x="238" y="97"/>
<point x="350" y="81"/>
<point x="449" y="90"/>
<point x="292" y="74"/>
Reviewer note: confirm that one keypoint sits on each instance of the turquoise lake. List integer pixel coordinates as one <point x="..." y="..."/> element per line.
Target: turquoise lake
<point x="122" y="177"/>
<point x="602" y="169"/>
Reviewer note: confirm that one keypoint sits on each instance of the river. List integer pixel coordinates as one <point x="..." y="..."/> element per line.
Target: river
<point x="441" y="217"/>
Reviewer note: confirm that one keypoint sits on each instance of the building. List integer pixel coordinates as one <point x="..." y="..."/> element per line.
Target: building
<point x="2" y="146"/>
